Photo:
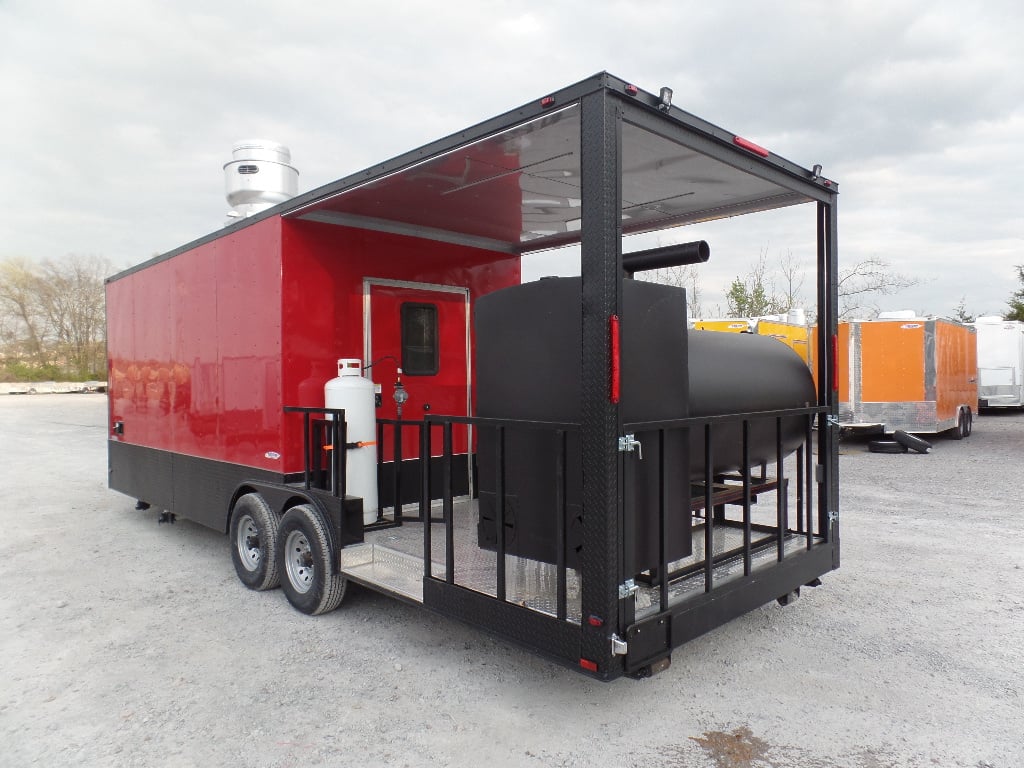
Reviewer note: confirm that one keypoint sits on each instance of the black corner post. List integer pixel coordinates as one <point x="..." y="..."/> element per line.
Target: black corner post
<point x="601" y="268"/>
<point x="828" y="328"/>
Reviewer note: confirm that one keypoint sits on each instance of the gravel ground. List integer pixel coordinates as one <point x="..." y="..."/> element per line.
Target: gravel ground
<point x="128" y="643"/>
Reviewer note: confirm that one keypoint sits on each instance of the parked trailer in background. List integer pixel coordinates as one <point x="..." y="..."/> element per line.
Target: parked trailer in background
<point x="791" y="329"/>
<point x="1000" y="362"/>
<point x="907" y="373"/>
<point x="591" y="496"/>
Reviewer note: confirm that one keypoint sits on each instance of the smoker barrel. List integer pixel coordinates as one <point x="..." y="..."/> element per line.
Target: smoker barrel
<point x="744" y="373"/>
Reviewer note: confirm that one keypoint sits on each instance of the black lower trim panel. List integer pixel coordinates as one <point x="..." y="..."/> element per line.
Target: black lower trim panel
<point x="194" y="488"/>
<point x="546" y="635"/>
<point x="656" y="636"/>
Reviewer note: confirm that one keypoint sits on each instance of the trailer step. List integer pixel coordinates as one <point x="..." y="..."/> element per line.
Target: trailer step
<point x="384" y="569"/>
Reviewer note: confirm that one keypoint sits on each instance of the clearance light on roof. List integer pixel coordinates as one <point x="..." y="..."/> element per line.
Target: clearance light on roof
<point x="547" y="101"/>
<point x="632" y="90"/>
<point x="665" y="99"/>
<point x="750" y="146"/>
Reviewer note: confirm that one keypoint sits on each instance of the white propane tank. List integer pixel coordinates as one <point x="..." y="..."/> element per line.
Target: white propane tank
<point x="356" y="395"/>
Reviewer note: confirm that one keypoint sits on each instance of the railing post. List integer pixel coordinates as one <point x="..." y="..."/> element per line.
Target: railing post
<point x="448" y="506"/>
<point x="746" y="498"/>
<point x="425" y="496"/>
<point x="561" y="512"/>
<point x="709" y="516"/>
<point x="781" y="497"/>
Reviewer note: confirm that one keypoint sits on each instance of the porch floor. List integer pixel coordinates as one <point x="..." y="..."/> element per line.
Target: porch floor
<point x="391" y="560"/>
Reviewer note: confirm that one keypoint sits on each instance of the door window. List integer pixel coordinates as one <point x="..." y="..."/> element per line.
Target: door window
<point x="420" y="353"/>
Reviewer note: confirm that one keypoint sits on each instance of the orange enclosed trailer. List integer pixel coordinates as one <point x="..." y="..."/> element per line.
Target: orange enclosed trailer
<point x="910" y="373"/>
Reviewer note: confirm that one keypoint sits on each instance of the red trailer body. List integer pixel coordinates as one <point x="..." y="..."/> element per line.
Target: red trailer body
<point x="208" y="347"/>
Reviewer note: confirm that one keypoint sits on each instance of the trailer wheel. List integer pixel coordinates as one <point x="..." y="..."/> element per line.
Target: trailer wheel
<point x="254" y="542"/>
<point x="912" y="442"/>
<point x="305" y="559"/>
<point x="959" y="432"/>
<point x="969" y="422"/>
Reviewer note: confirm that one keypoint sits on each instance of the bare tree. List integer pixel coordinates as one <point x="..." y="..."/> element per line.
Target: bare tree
<point x="791" y="278"/>
<point x="765" y="291"/>
<point x="19" y="301"/>
<point x="859" y="284"/>
<point x="54" y="313"/>
<point x="72" y="298"/>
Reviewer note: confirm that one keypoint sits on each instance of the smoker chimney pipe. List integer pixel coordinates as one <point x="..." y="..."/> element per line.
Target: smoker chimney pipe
<point x="696" y="252"/>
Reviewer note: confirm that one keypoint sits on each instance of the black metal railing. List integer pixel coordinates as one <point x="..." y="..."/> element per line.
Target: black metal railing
<point x="740" y="489"/>
<point x="716" y="499"/>
<point x="324" y="437"/>
<point x="496" y="431"/>
<point x="715" y="493"/>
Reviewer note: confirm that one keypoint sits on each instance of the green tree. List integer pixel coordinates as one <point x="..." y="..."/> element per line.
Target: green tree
<point x="1016" y="302"/>
<point x="754" y="294"/>
<point x="960" y="314"/>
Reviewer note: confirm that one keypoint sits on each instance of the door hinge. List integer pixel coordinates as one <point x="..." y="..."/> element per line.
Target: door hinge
<point x="619" y="646"/>
<point x="628" y="443"/>
<point x="628" y="588"/>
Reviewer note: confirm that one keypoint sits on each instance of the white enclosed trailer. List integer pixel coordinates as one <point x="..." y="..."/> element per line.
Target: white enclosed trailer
<point x="1000" y="362"/>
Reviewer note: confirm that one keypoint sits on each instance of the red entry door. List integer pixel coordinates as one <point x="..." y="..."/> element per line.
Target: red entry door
<point x="424" y="330"/>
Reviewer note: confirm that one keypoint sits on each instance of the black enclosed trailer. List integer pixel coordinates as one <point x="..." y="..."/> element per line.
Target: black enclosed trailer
<point x="628" y="492"/>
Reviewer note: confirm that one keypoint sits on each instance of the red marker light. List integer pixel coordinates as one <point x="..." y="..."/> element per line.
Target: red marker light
<point x="750" y="146"/>
<point x="587" y="664"/>
<point x="632" y="90"/>
<point x="595" y="621"/>
<point x="615" y="387"/>
<point x="547" y="101"/>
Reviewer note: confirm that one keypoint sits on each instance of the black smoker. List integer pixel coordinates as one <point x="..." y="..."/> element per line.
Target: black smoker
<point x="528" y="363"/>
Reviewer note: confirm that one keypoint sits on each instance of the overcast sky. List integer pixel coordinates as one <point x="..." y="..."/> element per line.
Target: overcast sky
<point x="117" y="117"/>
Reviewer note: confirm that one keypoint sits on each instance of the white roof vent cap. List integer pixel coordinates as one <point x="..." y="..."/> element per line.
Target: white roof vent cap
<point x="258" y="176"/>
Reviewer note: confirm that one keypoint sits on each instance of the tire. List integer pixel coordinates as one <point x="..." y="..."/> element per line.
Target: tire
<point x="911" y="442"/>
<point x="886" y="446"/>
<point x="253" y="535"/>
<point x="305" y="556"/>
<point x="969" y="422"/>
<point x="959" y="432"/>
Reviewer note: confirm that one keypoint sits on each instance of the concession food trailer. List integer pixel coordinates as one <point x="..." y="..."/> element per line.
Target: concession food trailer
<point x="355" y="385"/>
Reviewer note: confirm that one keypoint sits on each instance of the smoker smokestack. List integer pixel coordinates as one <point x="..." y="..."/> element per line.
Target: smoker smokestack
<point x="696" y="252"/>
<point x="259" y="175"/>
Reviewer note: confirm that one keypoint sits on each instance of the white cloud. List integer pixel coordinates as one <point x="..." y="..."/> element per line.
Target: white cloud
<point x="120" y="114"/>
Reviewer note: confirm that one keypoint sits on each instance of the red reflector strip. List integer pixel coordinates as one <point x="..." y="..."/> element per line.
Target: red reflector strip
<point x="614" y="350"/>
<point x="547" y="101"/>
<point x="587" y="664"/>
<point x="834" y="344"/>
<point x="750" y="146"/>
